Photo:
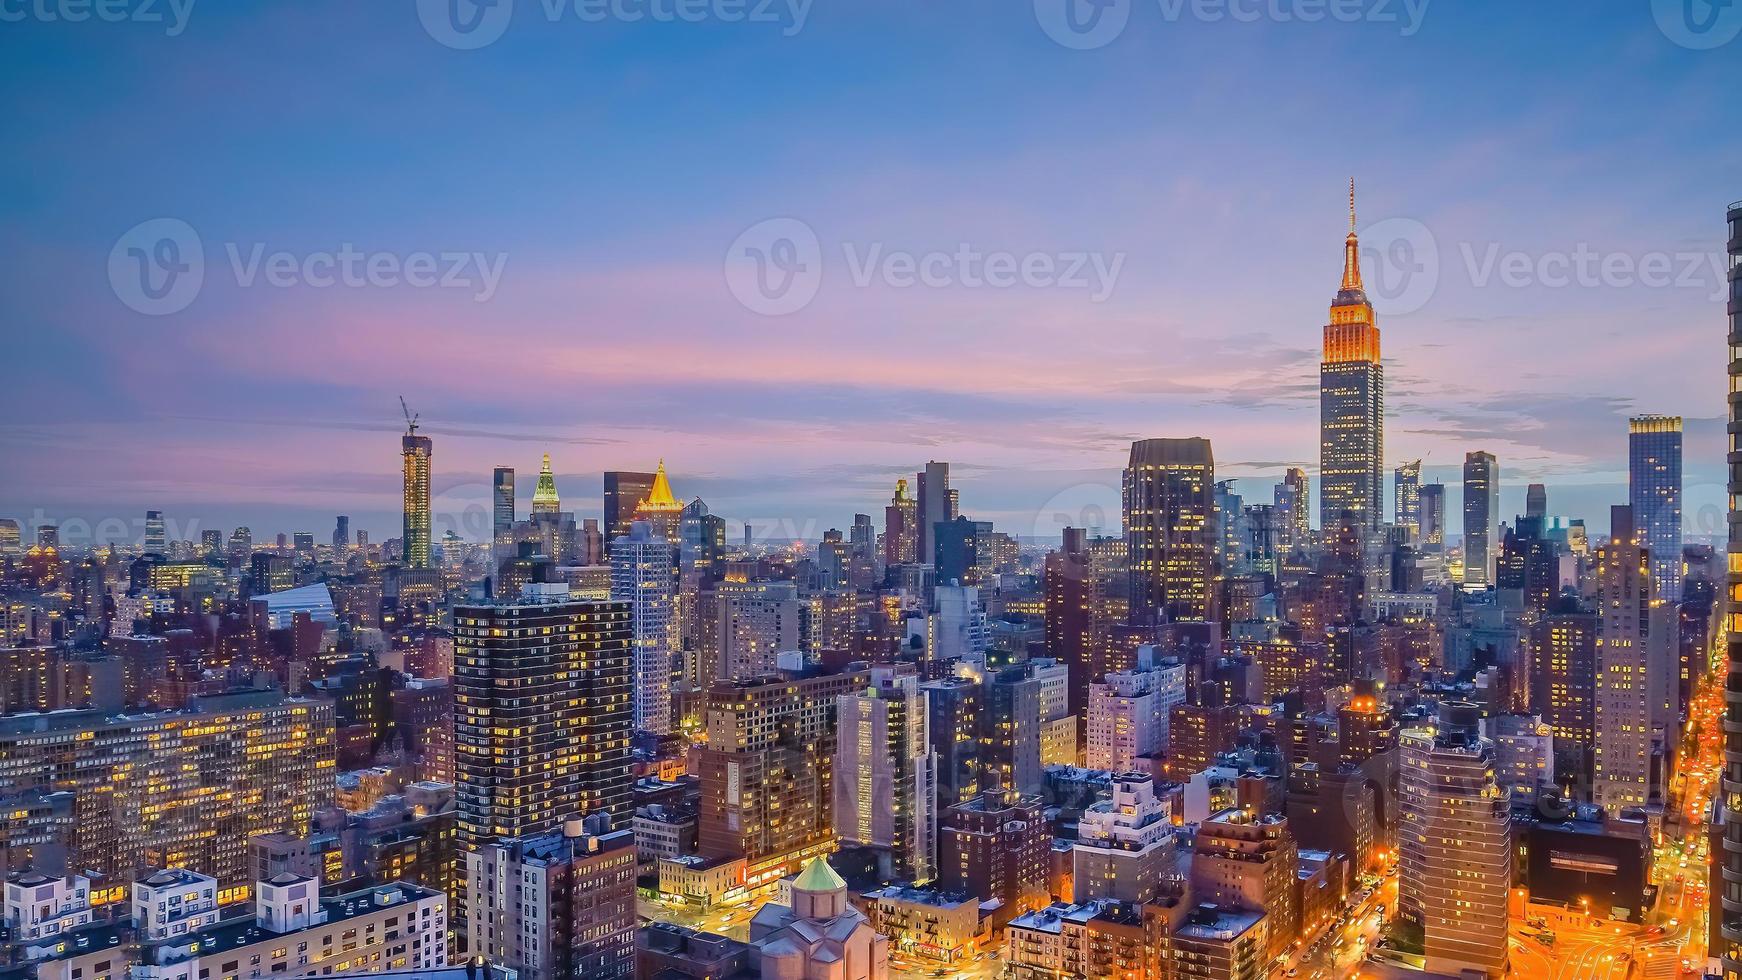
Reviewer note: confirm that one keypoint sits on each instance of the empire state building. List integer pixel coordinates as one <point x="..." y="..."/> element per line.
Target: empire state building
<point x="1351" y="400"/>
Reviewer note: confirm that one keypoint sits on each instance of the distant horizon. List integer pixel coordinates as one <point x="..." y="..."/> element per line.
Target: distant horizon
<point x="989" y="246"/>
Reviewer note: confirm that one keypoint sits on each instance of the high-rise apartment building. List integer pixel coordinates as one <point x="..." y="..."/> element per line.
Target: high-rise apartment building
<point x="1128" y="713"/>
<point x="644" y="576"/>
<point x="1654" y="491"/>
<point x="1067" y="589"/>
<point x="542" y="714"/>
<point x="558" y="905"/>
<point x="757" y="622"/>
<point x="1170" y="526"/>
<point x="886" y="773"/>
<point x="1626" y="641"/>
<point x="1010" y="731"/>
<point x="1563" y="677"/>
<point x="415" y="540"/>
<point x="1351" y="401"/>
<point x="1293" y="501"/>
<point x="177" y="788"/>
<point x="1727" y="942"/>
<point x="767" y="774"/>
<point x="1481" y="517"/>
<point x="1455" y="840"/>
<point x="1406" y="491"/>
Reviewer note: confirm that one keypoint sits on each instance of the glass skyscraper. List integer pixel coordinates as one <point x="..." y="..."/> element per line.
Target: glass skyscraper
<point x="1654" y="490"/>
<point x="1481" y="507"/>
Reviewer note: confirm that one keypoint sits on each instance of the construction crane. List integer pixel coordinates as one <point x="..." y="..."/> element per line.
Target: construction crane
<point x="410" y="419"/>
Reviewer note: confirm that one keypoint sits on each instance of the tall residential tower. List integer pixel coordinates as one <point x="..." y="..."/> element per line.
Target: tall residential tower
<point x="1654" y="491"/>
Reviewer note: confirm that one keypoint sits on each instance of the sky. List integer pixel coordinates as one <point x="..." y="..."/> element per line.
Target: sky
<point x="796" y="249"/>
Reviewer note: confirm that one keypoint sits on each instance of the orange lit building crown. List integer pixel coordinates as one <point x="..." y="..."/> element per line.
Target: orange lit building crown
<point x="1353" y="333"/>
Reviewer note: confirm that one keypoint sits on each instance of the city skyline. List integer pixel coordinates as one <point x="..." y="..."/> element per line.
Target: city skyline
<point x="258" y="433"/>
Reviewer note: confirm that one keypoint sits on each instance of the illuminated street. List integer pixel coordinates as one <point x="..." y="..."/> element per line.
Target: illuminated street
<point x="1674" y="941"/>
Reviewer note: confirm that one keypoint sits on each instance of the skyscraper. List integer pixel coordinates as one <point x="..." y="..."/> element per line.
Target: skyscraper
<point x="644" y="575"/>
<point x="502" y="516"/>
<point x="342" y="533"/>
<point x="624" y="491"/>
<point x="545" y="500"/>
<point x="1654" y="490"/>
<point x="901" y="528"/>
<point x="155" y="541"/>
<point x="932" y="507"/>
<point x="1431" y="517"/>
<point x="1729" y="939"/>
<point x="1481" y="510"/>
<point x="1406" y="485"/>
<point x="1455" y="841"/>
<point x="1351" y="400"/>
<point x="415" y="543"/>
<point x="660" y="508"/>
<point x="886" y="773"/>
<point x="1170" y="528"/>
<point x="1293" y="499"/>
<point x="1625" y="639"/>
<point x="542" y="714"/>
<point x="1536" y="502"/>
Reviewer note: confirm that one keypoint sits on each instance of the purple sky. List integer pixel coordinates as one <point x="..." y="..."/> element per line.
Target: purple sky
<point x="611" y="168"/>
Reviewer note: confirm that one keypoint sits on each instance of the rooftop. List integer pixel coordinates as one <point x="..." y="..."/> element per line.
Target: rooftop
<point x="242" y="932"/>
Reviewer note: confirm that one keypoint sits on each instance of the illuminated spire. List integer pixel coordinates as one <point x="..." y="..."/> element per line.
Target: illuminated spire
<point x="544" y="498"/>
<point x="660" y="497"/>
<point x="1351" y="248"/>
